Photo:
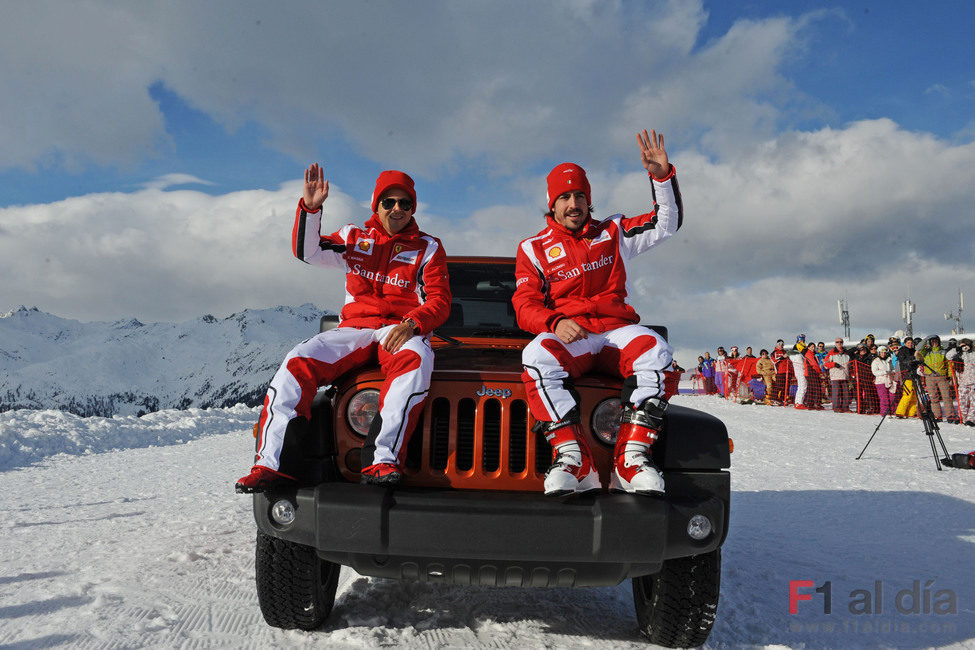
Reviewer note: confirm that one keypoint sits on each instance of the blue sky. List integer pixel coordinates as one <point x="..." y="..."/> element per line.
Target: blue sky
<point x="788" y="122"/>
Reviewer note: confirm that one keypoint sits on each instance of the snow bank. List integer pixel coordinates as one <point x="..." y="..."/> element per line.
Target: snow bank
<point x="28" y="436"/>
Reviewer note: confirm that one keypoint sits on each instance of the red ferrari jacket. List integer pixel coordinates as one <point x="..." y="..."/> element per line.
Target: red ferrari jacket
<point x="781" y="359"/>
<point x="387" y="277"/>
<point x="582" y="275"/>
<point x="812" y="363"/>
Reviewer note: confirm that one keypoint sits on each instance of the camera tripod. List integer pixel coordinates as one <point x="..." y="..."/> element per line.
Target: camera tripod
<point x="928" y="421"/>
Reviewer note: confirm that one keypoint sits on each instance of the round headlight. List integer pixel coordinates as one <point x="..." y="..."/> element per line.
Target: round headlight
<point x="699" y="527"/>
<point x="283" y="512"/>
<point x="606" y="420"/>
<point x="362" y="409"/>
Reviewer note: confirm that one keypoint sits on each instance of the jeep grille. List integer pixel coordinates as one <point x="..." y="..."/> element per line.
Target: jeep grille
<point x="491" y="448"/>
<point x="475" y="443"/>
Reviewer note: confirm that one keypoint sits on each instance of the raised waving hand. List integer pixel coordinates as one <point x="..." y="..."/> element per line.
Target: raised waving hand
<point x="653" y="153"/>
<point x="316" y="187"/>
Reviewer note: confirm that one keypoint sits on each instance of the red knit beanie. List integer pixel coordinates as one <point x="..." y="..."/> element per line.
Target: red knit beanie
<point x="387" y="181"/>
<point x="567" y="177"/>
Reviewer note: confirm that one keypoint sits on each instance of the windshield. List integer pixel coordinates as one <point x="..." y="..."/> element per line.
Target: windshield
<point x="482" y="300"/>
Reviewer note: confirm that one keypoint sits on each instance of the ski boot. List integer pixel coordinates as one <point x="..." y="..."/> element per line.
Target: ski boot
<point x="633" y="469"/>
<point x="572" y="470"/>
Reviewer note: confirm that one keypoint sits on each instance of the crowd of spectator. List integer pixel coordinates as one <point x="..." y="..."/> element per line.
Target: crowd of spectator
<point x="865" y="377"/>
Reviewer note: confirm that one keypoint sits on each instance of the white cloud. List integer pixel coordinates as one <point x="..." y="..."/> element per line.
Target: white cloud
<point x="167" y="181"/>
<point x="416" y="85"/>
<point x="870" y="213"/>
<point x="75" y="85"/>
<point x="159" y="255"/>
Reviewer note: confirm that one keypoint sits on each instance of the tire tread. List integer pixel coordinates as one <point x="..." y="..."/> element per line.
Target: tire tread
<point x="676" y="607"/>
<point x="295" y="588"/>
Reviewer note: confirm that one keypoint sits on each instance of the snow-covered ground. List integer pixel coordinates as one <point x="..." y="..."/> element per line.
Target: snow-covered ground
<point x="126" y="533"/>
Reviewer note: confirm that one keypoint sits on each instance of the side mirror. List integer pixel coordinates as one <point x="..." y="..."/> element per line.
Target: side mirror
<point x="659" y="329"/>
<point x="328" y="322"/>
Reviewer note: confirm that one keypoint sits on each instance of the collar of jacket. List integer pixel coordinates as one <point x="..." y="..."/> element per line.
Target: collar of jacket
<point x="587" y="230"/>
<point x="409" y="230"/>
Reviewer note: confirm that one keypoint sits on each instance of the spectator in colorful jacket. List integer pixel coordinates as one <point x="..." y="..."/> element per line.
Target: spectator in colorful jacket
<point x="572" y="282"/>
<point x="934" y="369"/>
<point x="707" y="371"/>
<point x="798" y="361"/>
<point x="766" y="368"/>
<point x="396" y="293"/>
<point x="721" y="371"/>
<point x="699" y="373"/>
<point x="883" y="379"/>
<point x="814" y="375"/>
<point x="821" y="353"/>
<point x="780" y="358"/>
<point x="894" y="345"/>
<point x="837" y="363"/>
<point x="731" y="374"/>
<point x="863" y="380"/>
<point x="907" y="406"/>
<point x="966" y="382"/>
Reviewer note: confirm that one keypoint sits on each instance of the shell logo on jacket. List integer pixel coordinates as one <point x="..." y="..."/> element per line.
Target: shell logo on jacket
<point x="583" y="274"/>
<point x="387" y="277"/>
<point x="554" y="253"/>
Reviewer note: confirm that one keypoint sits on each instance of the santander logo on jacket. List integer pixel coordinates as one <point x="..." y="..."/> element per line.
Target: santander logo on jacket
<point x="583" y="274"/>
<point x="387" y="277"/>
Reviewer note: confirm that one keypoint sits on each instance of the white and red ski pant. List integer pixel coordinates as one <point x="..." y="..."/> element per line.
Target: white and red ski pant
<point x="636" y="353"/>
<point x="799" y="365"/>
<point x="324" y="357"/>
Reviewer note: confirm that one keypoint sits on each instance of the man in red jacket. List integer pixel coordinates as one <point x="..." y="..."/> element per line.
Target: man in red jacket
<point x="396" y="293"/>
<point x="814" y="380"/>
<point x="572" y="288"/>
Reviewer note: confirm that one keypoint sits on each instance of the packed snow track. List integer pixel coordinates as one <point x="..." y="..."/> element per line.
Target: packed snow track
<point x="126" y="533"/>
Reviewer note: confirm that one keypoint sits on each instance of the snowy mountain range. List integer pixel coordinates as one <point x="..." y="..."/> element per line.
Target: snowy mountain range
<point x="127" y="367"/>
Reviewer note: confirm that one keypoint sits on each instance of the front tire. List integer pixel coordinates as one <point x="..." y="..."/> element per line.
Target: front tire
<point x="295" y="587"/>
<point x="676" y="607"/>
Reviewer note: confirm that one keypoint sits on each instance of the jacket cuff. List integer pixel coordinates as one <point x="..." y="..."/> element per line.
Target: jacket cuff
<point x="552" y="321"/>
<point x="304" y="208"/>
<point x="416" y="319"/>
<point x="667" y="177"/>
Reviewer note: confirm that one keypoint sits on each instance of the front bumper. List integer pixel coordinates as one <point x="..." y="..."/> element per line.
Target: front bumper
<point x="502" y="538"/>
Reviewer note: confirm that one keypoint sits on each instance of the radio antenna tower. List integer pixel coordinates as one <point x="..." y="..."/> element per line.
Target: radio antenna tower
<point x="843" y="308"/>
<point x="907" y="309"/>
<point x="959" y="329"/>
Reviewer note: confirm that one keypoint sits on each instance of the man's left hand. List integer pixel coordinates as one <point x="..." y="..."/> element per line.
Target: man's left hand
<point x="653" y="153"/>
<point x="397" y="337"/>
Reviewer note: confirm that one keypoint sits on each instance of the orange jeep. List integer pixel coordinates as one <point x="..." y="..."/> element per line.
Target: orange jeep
<point x="470" y="509"/>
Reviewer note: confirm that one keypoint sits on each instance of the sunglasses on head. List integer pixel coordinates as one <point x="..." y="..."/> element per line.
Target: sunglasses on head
<point x="388" y="203"/>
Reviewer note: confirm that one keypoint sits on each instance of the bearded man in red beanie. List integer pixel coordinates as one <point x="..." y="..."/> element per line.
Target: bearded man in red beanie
<point x="396" y="294"/>
<point x="572" y="290"/>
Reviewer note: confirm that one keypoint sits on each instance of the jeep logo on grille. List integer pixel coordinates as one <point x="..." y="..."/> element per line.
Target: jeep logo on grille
<point x="503" y="393"/>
